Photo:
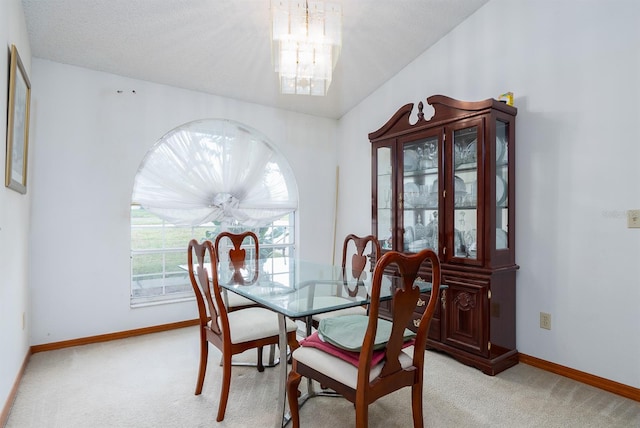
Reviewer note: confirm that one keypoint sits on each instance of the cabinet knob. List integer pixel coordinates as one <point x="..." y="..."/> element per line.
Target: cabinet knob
<point x="416" y="323"/>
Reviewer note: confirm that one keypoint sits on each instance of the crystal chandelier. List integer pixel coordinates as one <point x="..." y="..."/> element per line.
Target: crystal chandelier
<point x="307" y="36"/>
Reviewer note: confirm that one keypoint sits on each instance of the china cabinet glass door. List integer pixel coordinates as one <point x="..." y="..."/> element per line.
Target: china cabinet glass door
<point x="502" y="185"/>
<point x="420" y="223"/>
<point x="384" y="197"/>
<point x="466" y="152"/>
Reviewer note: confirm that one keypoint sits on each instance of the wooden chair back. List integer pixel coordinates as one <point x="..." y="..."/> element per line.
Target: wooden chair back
<point x="207" y="291"/>
<point x="354" y="267"/>
<point x="404" y="304"/>
<point x="238" y="255"/>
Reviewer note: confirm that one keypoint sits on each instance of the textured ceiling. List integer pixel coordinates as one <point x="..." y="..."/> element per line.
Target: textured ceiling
<point x="222" y="47"/>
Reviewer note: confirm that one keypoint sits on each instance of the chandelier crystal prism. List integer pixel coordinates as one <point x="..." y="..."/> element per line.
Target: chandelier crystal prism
<point x="306" y="41"/>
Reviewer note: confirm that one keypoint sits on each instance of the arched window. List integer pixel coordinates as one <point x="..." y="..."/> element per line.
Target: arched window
<point x="197" y="180"/>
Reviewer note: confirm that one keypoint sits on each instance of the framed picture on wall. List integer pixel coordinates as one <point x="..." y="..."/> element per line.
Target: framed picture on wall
<point x="17" y="125"/>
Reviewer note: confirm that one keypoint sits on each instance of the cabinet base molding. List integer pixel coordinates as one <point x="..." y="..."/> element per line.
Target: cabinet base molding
<point x="586" y="378"/>
<point x="489" y="366"/>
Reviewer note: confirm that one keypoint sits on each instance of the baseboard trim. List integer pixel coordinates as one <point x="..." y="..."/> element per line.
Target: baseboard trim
<point x="586" y="378"/>
<point x="4" y="416"/>
<point x="112" y="336"/>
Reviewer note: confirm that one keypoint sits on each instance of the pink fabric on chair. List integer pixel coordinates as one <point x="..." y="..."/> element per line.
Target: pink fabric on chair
<point x="314" y="341"/>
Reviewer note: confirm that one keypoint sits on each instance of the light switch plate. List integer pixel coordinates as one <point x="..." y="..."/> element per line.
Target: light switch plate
<point x="633" y="219"/>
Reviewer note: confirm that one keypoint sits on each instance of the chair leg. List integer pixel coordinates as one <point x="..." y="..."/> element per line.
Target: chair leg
<point x="260" y="365"/>
<point x="362" y="414"/>
<point x="416" y="405"/>
<point x="204" y="354"/>
<point x="226" y="384"/>
<point x="272" y="355"/>
<point x="292" y="396"/>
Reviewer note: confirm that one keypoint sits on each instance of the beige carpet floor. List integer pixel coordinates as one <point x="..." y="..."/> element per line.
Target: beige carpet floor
<point x="148" y="381"/>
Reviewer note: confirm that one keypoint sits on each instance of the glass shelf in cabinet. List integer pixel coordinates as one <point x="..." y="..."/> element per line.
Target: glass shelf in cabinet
<point x="471" y="167"/>
<point x="420" y="173"/>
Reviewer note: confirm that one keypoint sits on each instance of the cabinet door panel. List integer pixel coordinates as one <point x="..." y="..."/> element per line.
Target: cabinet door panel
<point x="465" y="316"/>
<point x="465" y="190"/>
<point x="383" y="196"/>
<point x="420" y="194"/>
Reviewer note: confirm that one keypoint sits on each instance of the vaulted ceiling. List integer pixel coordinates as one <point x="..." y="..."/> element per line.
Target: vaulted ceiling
<point x="222" y="47"/>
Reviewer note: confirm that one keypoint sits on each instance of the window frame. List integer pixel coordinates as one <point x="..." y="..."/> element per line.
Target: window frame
<point x="166" y="297"/>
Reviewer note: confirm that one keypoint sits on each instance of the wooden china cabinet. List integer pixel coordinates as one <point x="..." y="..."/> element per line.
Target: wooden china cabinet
<point x="448" y="183"/>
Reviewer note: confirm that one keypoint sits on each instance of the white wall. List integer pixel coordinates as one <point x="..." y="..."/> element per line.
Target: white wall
<point x="574" y="67"/>
<point x="14" y="217"/>
<point x="90" y="141"/>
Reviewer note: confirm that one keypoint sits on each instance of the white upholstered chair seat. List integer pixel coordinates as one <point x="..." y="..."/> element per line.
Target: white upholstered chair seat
<point x="337" y="368"/>
<point x="255" y="323"/>
<point x="235" y="300"/>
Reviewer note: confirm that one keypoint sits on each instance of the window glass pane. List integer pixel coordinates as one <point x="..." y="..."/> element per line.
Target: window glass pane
<point x="147" y="264"/>
<point x="178" y="237"/>
<point x="140" y="216"/>
<point x="146" y="237"/>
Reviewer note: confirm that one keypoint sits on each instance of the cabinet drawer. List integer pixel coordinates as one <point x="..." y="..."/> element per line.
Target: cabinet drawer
<point x="434" y="327"/>
<point x="422" y="305"/>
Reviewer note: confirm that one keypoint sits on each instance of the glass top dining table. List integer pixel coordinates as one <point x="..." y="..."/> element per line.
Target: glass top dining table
<point x="299" y="289"/>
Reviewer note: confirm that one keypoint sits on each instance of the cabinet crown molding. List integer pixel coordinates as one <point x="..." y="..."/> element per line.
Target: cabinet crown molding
<point x="445" y="109"/>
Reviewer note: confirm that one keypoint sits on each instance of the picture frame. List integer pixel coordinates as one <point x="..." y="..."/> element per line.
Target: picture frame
<point x="18" y="111"/>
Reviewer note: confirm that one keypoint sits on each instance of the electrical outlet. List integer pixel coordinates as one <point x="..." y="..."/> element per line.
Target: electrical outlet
<point x="633" y="219"/>
<point x="545" y="320"/>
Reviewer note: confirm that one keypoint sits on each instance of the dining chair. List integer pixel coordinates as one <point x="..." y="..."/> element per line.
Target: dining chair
<point x="240" y="273"/>
<point x="354" y="268"/>
<point x="365" y="380"/>
<point x="232" y="332"/>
